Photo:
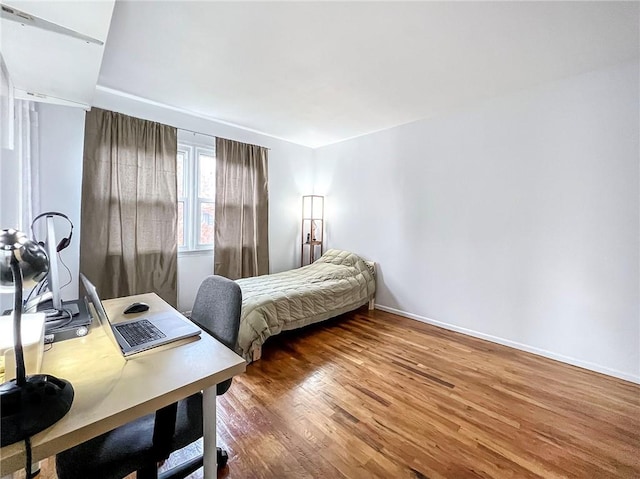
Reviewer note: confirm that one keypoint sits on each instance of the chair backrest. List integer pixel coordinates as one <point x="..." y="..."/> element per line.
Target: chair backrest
<point x="217" y="309"/>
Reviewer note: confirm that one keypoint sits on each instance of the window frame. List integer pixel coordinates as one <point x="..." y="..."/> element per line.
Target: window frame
<point x="199" y="200"/>
<point x="192" y="200"/>
<point x="187" y="179"/>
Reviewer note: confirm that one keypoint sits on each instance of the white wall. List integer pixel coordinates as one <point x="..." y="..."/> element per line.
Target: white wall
<point x="61" y="147"/>
<point x="516" y="221"/>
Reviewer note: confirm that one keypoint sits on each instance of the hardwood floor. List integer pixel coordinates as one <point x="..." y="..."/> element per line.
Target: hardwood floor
<point x="372" y="394"/>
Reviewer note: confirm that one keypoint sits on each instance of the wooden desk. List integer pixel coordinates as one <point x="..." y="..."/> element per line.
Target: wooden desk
<point x="111" y="391"/>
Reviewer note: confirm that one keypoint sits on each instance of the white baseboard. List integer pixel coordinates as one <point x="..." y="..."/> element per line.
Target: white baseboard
<point x="513" y="344"/>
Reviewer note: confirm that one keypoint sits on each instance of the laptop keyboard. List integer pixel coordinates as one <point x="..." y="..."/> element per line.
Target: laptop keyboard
<point x="139" y="332"/>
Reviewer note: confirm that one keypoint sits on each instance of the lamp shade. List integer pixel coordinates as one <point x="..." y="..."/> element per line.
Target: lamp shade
<point x="32" y="259"/>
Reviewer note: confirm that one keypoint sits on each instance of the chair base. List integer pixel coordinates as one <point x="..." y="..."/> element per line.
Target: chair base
<point x="223" y="458"/>
<point x="189" y="467"/>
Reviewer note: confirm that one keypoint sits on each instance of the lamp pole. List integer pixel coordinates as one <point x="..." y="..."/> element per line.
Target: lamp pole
<point x="21" y="374"/>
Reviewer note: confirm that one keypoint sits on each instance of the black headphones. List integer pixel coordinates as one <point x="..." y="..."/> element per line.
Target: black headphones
<point x="64" y="242"/>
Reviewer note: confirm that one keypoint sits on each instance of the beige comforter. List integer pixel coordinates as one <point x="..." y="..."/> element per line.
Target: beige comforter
<point x="336" y="283"/>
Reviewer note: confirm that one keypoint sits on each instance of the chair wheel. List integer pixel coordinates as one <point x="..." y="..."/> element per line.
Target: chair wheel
<point x="223" y="458"/>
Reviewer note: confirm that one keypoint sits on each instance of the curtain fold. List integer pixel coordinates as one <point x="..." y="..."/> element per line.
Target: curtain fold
<point x="27" y="133"/>
<point x="128" y="241"/>
<point x="241" y="247"/>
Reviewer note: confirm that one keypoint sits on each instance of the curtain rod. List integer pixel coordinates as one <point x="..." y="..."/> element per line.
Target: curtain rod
<point x="214" y="136"/>
<point x="174" y="126"/>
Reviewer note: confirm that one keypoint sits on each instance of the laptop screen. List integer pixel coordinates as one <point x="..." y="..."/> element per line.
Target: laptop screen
<point x="97" y="304"/>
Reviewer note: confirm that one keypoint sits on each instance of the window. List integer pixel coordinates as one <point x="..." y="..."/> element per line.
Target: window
<point x="196" y="172"/>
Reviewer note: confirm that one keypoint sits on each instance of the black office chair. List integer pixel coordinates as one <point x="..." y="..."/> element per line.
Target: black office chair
<point x="141" y="444"/>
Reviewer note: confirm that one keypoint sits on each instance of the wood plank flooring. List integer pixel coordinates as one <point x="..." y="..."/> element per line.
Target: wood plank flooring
<point x="375" y="395"/>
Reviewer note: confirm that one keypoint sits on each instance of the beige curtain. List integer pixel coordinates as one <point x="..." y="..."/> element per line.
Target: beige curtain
<point x="241" y="247"/>
<point x="128" y="239"/>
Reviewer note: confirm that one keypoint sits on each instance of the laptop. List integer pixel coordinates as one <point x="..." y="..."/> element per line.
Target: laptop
<point x="140" y="334"/>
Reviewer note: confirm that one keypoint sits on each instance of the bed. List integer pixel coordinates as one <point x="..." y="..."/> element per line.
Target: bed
<point x="336" y="283"/>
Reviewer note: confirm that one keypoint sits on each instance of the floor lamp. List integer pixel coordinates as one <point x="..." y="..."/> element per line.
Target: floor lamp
<point x="28" y="404"/>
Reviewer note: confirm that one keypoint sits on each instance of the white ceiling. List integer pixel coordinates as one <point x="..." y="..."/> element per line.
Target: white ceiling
<point x="318" y="72"/>
<point x="60" y="67"/>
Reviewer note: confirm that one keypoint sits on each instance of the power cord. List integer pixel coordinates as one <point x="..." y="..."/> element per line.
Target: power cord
<point x="39" y="285"/>
<point x="59" y="323"/>
<point x="68" y="271"/>
<point x="44" y="283"/>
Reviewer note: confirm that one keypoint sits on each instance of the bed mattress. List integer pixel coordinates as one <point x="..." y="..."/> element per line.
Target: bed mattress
<point x="337" y="282"/>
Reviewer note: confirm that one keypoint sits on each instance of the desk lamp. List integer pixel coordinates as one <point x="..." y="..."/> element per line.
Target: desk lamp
<point x="28" y="404"/>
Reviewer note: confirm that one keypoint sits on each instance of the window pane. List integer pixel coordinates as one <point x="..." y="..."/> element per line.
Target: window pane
<point x="180" y="173"/>
<point x="207" y="173"/>
<point x="207" y="211"/>
<point x="180" y="223"/>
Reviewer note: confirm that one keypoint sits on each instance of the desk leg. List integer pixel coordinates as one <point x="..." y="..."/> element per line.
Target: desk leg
<point x="209" y="429"/>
